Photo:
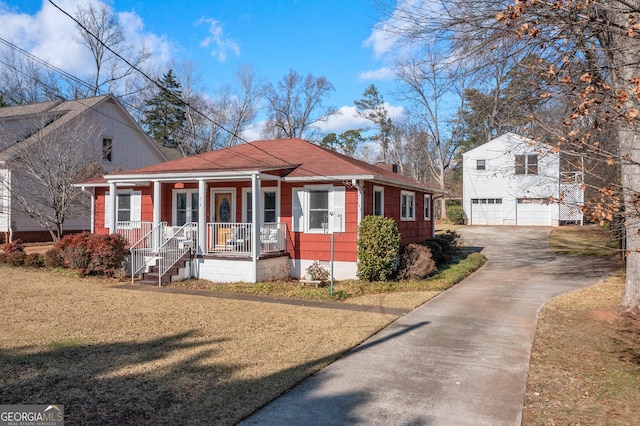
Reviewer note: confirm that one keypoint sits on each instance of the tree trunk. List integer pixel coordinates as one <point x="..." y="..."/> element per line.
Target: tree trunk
<point x="631" y="186"/>
<point x="623" y="57"/>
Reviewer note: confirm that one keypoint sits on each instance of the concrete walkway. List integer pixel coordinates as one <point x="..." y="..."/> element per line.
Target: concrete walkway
<point x="461" y="358"/>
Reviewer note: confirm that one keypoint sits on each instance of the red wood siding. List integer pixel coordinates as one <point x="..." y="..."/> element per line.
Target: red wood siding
<point x="310" y="246"/>
<point x="411" y="231"/>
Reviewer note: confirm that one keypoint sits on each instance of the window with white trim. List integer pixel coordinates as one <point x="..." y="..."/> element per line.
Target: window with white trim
<point x="318" y="209"/>
<point x="427" y="206"/>
<point x="128" y="207"/>
<point x="378" y="201"/>
<point x="269" y="206"/>
<point x="527" y="164"/>
<point x="407" y="205"/>
<point x="481" y="165"/>
<point x="185" y="206"/>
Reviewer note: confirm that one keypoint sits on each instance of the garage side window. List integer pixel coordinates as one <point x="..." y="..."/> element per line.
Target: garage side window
<point x="481" y="165"/>
<point x="527" y="164"/>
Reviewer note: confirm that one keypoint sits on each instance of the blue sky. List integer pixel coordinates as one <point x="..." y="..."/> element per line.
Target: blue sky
<point x="334" y="38"/>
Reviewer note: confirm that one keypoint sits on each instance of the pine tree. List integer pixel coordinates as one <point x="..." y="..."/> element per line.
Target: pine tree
<point x="165" y="113"/>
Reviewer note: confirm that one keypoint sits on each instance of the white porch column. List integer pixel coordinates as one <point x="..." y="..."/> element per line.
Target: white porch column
<point x="112" y="208"/>
<point x="202" y="216"/>
<point x="157" y="202"/>
<point x="256" y="221"/>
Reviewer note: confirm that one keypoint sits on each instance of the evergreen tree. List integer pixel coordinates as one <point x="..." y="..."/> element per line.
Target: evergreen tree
<point x="165" y="113"/>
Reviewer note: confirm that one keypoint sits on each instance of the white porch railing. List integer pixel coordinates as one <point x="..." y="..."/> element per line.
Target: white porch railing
<point x="236" y="238"/>
<point x="232" y="238"/>
<point x="273" y="237"/>
<point x="133" y="231"/>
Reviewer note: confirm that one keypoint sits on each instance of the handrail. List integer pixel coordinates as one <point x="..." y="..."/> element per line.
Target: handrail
<point x="177" y="243"/>
<point x="144" y="249"/>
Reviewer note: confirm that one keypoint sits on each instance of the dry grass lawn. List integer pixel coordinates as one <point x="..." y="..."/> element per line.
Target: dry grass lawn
<point x="116" y="356"/>
<point x="585" y="365"/>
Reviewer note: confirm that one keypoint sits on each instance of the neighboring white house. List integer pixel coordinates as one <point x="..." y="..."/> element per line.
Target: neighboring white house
<point x="116" y="143"/>
<point x="512" y="180"/>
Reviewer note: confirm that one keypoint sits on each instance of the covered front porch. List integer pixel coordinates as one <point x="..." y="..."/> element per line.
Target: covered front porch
<point x="167" y="252"/>
<point x="199" y="216"/>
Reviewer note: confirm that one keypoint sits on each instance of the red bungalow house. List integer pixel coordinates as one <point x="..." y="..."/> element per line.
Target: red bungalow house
<point x="206" y="204"/>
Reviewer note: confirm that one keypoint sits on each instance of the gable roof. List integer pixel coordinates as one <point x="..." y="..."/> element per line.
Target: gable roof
<point x="512" y="141"/>
<point x="295" y="160"/>
<point x="46" y="117"/>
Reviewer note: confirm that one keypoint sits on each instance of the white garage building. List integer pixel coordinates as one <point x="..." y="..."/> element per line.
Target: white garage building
<point x="513" y="180"/>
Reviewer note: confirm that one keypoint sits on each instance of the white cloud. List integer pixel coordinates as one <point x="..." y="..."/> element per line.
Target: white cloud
<point x="380" y="40"/>
<point x="349" y="119"/>
<point x="52" y="36"/>
<point x="384" y="73"/>
<point x="221" y="44"/>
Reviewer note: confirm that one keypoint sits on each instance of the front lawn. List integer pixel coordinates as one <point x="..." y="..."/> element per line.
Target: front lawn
<point x="114" y="356"/>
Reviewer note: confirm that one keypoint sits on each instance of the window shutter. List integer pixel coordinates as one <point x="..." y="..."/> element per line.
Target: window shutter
<point x="297" y="210"/>
<point x="136" y="206"/>
<point x="107" y="208"/>
<point x="337" y="206"/>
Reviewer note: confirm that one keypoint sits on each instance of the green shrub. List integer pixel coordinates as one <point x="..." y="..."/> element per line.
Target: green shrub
<point x="416" y="262"/>
<point x="16" y="258"/>
<point x="378" y="248"/>
<point x="15" y="245"/>
<point x="53" y="258"/>
<point x="93" y="254"/>
<point x="34" y="260"/>
<point x="455" y="214"/>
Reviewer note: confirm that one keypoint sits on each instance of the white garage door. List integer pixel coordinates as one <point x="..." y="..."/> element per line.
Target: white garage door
<point x="533" y="212"/>
<point x="486" y="211"/>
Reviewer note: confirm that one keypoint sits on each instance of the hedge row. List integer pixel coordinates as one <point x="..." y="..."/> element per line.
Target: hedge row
<point x="86" y="253"/>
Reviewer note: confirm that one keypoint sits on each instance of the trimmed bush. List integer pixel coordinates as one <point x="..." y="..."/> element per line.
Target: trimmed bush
<point x="16" y="258"/>
<point x="416" y="262"/>
<point x="15" y="245"/>
<point x="455" y="214"/>
<point x="93" y="254"/>
<point x="34" y="260"/>
<point x="53" y="258"/>
<point x="378" y="248"/>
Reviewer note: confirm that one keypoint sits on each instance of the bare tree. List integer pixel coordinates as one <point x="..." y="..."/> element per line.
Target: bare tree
<point x="589" y="48"/>
<point x="25" y="80"/>
<point x="428" y="86"/>
<point x="102" y="34"/>
<point x="219" y="121"/>
<point x="294" y="105"/>
<point x="43" y="167"/>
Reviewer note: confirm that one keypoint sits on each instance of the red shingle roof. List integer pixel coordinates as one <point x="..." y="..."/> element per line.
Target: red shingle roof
<point x="296" y="157"/>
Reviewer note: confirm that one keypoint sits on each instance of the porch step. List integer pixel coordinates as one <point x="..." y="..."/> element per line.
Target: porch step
<point x="151" y="277"/>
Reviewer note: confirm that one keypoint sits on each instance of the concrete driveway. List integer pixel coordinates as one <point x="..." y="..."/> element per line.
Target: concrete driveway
<point x="461" y="358"/>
